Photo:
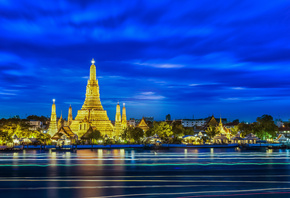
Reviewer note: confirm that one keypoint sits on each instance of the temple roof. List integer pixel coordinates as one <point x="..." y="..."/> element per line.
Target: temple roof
<point x="212" y="122"/>
<point x="142" y="124"/>
<point x="63" y="131"/>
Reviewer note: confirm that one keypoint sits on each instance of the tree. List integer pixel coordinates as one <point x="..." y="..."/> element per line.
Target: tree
<point x="235" y="130"/>
<point x="168" y="117"/>
<point x="149" y="132"/>
<point x="43" y="119"/>
<point x="133" y="134"/>
<point x="188" y="131"/>
<point x="236" y="121"/>
<point x="43" y="137"/>
<point x="265" y="127"/>
<point x="136" y="134"/>
<point x="94" y="135"/>
<point x="211" y="131"/>
<point x="245" y="129"/>
<point x="5" y="137"/>
<point x="162" y="129"/>
<point x="178" y="130"/>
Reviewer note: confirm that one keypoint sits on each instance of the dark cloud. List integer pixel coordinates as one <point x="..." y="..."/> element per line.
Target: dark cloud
<point x="194" y="57"/>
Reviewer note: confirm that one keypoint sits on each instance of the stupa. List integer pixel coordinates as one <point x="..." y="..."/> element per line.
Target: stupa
<point x="53" y="124"/>
<point x="92" y="113"/>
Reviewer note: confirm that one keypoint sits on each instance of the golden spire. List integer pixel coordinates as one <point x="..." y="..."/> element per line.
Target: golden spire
<point x="52" y="125"/>
<point x="124" y="117"/>
<point x="53" y="110"/>
<point x="93" y="75"/>
<point x="92" y="100"/>
<point x="69" y="117"/>
<point x="221" y="123"/>
<point x="118" y="124"/>
<point x="118" y="113"/>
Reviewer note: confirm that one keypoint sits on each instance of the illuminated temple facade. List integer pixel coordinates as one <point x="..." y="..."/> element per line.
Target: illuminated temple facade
<point x="92" y="114"/>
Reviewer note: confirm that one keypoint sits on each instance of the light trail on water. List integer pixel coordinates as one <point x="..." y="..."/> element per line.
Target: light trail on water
<point x="142" y="180"/>
<point x="153" y="176"/>
<point x="194" y="192"/>
<point x="157" y="164"/>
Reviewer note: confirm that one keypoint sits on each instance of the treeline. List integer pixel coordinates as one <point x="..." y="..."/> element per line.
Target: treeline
<point x="169" y="133"/>
<point x="21" y="128"/>
<point x="264" y="128"/>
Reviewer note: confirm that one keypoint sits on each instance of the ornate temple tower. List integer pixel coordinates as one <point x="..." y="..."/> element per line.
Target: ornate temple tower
<point x="124" y="117"/>
<point x="118" y="123"/>
<point x="92" y="112"/>
<point x="52" y="125"/>
<point x="69" y="117"/>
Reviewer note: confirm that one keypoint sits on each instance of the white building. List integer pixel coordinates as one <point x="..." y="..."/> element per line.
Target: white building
<point x="132" y="122"/>
<point x="35" y="125"/>
<point x="193" y="122"/>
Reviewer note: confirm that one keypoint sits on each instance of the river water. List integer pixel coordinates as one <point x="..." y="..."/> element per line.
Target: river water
<point x="179" y="173"/>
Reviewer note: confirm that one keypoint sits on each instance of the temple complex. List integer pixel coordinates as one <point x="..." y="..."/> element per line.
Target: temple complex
<point x="92" y="116"/>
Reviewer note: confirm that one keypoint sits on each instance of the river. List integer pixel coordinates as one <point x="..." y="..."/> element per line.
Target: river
<point x="182" y="173"/>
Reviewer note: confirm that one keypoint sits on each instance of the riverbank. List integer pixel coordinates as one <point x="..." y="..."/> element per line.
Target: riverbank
<point x="121" y="146"/>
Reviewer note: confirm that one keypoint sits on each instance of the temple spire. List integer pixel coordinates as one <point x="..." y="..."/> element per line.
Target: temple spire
<point x="69" y="118"/>
<point x="93" y="75"/>
<point x="118" y="113"/>
<point x="124" y="117"/>
<point x="118" y="123"/>
<point x="53" y="109"/>
<point x="52" y="125"/>
<point x="92" y="100"/>
<point x="221" y="123"/>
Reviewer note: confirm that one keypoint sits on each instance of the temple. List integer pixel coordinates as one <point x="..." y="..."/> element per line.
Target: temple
<point x="91" y="117"/>
<point x="92" y="112"/>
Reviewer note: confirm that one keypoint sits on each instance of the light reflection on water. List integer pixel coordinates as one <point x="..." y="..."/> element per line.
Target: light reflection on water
<point x="168" y="173"/>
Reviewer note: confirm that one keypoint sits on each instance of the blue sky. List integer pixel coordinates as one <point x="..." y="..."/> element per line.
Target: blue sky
<point x="186" y="58"/>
